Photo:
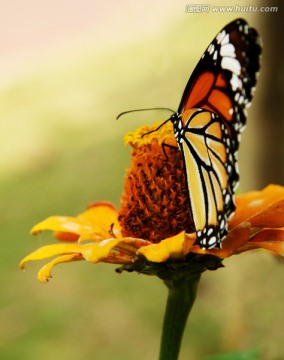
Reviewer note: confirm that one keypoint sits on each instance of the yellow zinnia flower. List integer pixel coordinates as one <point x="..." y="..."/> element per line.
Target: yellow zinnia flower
<point x="153" y="224"/>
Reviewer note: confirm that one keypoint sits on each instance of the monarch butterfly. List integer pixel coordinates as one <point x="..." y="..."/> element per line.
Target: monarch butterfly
<point x="208" y="124"/>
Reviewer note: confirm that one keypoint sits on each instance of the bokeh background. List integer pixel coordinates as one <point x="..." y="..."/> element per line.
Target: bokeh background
<point x="67" y="68"/>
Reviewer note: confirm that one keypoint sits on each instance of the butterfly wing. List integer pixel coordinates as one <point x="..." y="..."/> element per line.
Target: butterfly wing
<point x="209" y="168"/>
<point x="225" y="76"/>
<point x="222" y="83"/>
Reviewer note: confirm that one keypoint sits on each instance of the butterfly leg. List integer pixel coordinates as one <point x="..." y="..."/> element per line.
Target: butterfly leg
<point x="165" y="145"/>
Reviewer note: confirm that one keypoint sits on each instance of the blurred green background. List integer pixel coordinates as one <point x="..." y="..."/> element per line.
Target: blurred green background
<point x="67" y="68"/>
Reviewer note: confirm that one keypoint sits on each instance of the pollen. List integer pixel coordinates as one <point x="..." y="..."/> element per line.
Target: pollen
<point x="155" y="202"/>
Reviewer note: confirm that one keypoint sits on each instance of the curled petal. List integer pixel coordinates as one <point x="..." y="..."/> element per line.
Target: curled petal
<point x="44" y="273"/>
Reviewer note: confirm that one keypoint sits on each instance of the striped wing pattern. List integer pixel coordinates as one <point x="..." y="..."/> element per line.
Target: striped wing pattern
<point x="210" y="172"/>
<point x="208" y="124"/>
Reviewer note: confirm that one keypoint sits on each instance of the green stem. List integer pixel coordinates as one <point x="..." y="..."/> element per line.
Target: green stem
<point x="182" y="293"/>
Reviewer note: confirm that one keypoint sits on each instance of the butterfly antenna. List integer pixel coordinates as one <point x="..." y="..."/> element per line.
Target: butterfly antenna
<point x="147" y="109"/>
<point x="157" y="128"/>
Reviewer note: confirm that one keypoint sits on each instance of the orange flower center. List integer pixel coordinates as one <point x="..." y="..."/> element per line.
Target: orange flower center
<point x="155" y="203"/>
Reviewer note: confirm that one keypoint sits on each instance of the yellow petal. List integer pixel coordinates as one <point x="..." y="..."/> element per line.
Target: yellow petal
<point x="51" y="250"/>
<point x="122" y="247"/>
<point x="98" y="221"/>
<point x="96" y="251"/>
<point x="173" y="246"/>
<point x="103" y="219"/>
<point x="44" y="273"/>
<point x="61" y="224"/>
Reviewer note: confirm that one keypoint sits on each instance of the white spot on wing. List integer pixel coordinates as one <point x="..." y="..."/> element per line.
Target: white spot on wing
<point x="228" y="50"/>
<point x="225" y="40"/>
<point x="209" y="232"/>
<point x="212" y="241"/>
<point x="241" y="99"/>
<point x="211" y="49"/>
<point x="235" y="82"/>
<point x="220" y="36"/>
<point x="231" y="64"/>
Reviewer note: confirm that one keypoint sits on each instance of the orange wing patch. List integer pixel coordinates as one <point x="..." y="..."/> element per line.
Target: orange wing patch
<point x="221" y="102"/>
<point x="201" y="89"/>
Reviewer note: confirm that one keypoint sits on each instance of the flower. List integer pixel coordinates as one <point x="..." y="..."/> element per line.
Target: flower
<point x="153" y="225"/>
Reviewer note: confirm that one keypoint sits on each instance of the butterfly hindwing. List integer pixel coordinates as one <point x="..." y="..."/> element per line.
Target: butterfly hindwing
<point x="209" y="171"/>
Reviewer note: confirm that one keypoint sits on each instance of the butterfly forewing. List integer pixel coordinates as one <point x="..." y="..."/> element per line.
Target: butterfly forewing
<point x="225" y="76"/>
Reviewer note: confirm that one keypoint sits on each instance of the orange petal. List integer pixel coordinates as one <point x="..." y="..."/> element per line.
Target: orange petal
<point x="270" y="239"/>
<point x="269" y="235"/>
<point x="276" y="247"/>
<point x="272" y="216"/>
<point x="66" y="236"/>
<point x="250" y="206"/>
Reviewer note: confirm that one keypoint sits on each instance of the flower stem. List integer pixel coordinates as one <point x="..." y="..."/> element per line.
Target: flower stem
<point x="182" y="293"/>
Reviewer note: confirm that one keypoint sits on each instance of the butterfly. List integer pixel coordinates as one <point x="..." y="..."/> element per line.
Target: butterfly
<point x="208" y="124"/>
